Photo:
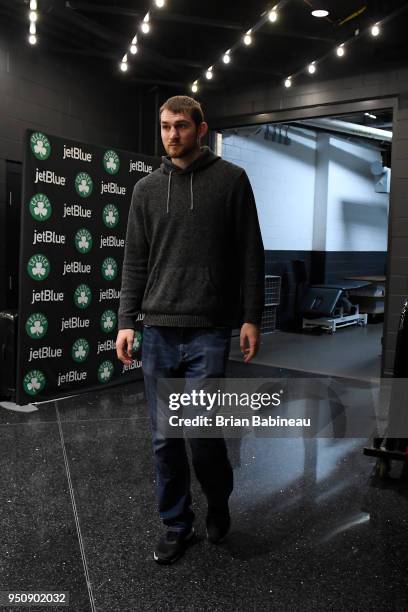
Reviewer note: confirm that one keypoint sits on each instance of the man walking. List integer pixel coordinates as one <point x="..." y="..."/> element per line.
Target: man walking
<point x="194" y="264"/>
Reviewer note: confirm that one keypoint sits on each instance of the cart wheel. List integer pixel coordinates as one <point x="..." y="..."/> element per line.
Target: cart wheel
<point x="383" y="467"/>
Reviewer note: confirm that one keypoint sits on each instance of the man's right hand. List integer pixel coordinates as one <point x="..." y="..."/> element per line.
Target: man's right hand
<point x="124" y="345"/>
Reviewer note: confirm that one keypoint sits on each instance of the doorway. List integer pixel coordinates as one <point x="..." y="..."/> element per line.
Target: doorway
<point x="322" y="187"/>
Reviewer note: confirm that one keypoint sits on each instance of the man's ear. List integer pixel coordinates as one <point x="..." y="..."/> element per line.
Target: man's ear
<point x="202" y="129"/>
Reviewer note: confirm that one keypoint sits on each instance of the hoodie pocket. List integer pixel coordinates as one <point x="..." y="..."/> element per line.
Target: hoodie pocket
<point x="183" y="290"/>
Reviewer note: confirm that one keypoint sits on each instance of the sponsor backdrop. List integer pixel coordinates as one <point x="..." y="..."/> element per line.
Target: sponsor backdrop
<point x="76" y="199"/>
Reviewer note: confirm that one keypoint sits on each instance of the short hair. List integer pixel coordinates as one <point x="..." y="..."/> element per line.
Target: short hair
<point x="185" y="105"/>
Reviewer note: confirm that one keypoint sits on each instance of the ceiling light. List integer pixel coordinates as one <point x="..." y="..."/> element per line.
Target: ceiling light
<point x="320" y="13"/>
<point x="194" y="87"/>
<point x="370" y="115"/>
<point x="33" y="28"/>
<point x="226" y="58"/>
<point x="145" y="24"/>
<point x="124" y="65"/>
<point x="273" y="15"/>
<point x="375" y="30"/>
<point x="312" y="68"/>
<point x="33" y="16"/>
<point x="340" y="51"/>
<point x="209" y="73"/>
<point x="248" y="38"/>
<point x="32" y="39"/>
<point x="133" y="49"/>
<point x="33" y="5"/>
<point x="160" y="3"/>
<point x="288" y="82"/>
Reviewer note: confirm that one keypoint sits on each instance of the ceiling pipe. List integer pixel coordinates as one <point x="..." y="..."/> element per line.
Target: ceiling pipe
<point x="345" y="127"/>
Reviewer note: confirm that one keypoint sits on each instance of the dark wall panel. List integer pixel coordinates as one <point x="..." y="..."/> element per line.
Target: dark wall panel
<point x="63" y="96"/>
<point x="397" y="284"/>
<point x="3" y="213"/>
<point x="340" y="264"/>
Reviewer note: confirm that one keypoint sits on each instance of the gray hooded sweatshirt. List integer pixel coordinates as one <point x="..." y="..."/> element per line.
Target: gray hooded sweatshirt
<point x="193" y="254"/>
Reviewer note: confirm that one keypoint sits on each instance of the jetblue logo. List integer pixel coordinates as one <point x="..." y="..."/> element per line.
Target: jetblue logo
<point x="140" y="166"/>
<point x="47" y="176"/>
<point x="76" y="153"/>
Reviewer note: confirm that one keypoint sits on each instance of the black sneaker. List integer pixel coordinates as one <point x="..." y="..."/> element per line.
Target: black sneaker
<point x="218" y="523"/>
<point x="172" y="545"/>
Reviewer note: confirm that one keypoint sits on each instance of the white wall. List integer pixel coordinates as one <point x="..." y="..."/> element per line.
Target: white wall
<point x="357" y="216"/>
<point x="282" y="178"/>
<point x="315" y="194"/>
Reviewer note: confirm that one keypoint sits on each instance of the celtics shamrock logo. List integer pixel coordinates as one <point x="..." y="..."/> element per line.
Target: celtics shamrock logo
<point x="36" y="325"/>
<point x="137" y="341"/>
<point x="105" y="371"/>
<point x="40" y="207"/>
<point x="108" y="321"/>
<point x="109" y="269"/>
<point x="111" y="162"/>
<point x="82" y="296"/>
<point x="34" y="382"/>
<point x="80" y="350"/>
<point x="40" y="146"/>
<point x="83" y="240"/>
<point x="38" y="267"/>
<point x="110" y="215"/>
<point x="83" y="184"/>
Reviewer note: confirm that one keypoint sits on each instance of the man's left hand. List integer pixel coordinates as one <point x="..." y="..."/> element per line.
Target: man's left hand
<point x="249" y="340"/>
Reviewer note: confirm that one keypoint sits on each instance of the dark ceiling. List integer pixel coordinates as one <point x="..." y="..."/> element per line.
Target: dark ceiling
<point x="185" y="39"/>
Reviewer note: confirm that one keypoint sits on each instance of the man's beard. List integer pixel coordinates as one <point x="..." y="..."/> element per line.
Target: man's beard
<point x="180" y="150"/>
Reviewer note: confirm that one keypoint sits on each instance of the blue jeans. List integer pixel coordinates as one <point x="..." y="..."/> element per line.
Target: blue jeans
<point x="176" y="352"/>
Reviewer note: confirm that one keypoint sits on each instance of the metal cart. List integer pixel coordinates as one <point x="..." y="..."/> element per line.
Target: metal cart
<point x="272" y="301"/>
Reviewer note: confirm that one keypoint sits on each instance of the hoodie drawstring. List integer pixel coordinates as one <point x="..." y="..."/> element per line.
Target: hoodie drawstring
<point x="191" y="192"/>
<point x="169" y="190"/>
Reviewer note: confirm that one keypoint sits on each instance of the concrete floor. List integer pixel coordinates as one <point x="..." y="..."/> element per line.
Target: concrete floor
<point x="352" y="352"/>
